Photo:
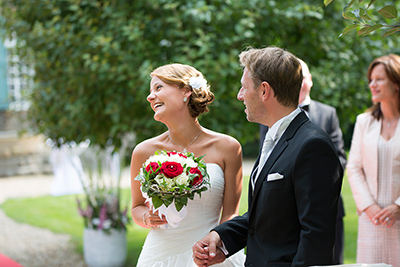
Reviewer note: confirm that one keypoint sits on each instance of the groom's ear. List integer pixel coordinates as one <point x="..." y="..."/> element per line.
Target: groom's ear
<point x="266" y="91"/>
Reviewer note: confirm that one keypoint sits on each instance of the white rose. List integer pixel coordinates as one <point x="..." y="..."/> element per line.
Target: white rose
<point x="182" y="179"/>
<point x="181" y="160"/>
<point x="156" y="158"/>
<point x="160" y="179"/>
<point x="191" y="163"/>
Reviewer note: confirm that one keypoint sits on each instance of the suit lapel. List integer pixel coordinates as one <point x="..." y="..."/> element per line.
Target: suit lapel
<point x="275" y="154"/>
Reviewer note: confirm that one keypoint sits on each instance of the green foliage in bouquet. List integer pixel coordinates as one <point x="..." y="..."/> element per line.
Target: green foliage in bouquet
<point x="168" y="177"/>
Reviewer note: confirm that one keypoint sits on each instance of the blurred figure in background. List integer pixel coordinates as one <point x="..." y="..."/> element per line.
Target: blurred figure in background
<point x="374" y="166"/>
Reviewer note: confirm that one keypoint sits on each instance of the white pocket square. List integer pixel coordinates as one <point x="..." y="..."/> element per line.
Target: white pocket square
<point x="274" y="176"/>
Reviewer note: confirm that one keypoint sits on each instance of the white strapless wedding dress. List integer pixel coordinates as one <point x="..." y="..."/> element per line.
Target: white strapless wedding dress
<point x="172" y="247"/>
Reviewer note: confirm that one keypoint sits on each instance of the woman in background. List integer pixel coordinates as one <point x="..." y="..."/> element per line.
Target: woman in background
<point x="178" y="95"/>
<point x="374" y="166"/>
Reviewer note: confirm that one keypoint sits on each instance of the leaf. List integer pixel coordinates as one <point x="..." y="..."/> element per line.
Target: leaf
<point x="389" y="12"/>
<point x="167" y="200"/>
<point x="371" y="3"/>
<point x="178" y="206"/>
<point x="368" y="29"/>
<point x="327" y="2"/>
<point x="180" y="202"/>
<point x="364" y="14"/>
<point x="349" y="4"/>
<point x="391" y="31"/>
<point x="349" y="28"/>
<point x="157" y="202"/>
<point x="349" y="15"/>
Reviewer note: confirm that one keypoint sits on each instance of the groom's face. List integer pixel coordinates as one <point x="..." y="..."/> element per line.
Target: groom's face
<point x="250" y="97"/>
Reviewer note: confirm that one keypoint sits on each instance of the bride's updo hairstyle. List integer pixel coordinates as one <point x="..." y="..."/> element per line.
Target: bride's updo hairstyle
<point x="187" y="77"/>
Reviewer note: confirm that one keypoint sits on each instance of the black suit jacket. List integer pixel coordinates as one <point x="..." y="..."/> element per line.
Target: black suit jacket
<point x="291" y="221"/>
<point x="324" y="116"/>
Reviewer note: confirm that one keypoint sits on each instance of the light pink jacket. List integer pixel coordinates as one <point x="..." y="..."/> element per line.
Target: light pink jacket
<point x="362" y="167"/>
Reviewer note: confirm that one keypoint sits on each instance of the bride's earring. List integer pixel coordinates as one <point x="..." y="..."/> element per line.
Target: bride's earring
<point x="185" y="99"/>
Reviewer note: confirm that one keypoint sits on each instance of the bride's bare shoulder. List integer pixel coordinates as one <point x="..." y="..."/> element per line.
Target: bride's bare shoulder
<point x="147" y="147"/>
<point x="224" y="141"/>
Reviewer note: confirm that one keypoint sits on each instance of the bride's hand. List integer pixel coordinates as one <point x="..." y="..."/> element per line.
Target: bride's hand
<point x="152" y="220"/>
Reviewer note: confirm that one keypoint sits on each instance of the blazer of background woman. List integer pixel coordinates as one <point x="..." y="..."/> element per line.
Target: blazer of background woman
<point x="362" y="166"/>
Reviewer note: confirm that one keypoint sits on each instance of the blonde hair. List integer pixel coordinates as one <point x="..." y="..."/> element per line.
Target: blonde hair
<point x="180" y="74"/>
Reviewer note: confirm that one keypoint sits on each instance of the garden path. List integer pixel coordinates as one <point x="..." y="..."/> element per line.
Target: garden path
<point x="28" y="245"/>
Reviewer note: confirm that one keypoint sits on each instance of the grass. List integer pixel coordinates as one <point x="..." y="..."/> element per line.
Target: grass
<point x="59" y="214"/>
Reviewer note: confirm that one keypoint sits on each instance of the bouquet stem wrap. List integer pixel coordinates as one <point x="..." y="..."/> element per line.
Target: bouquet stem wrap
<point x="172" y="215"/>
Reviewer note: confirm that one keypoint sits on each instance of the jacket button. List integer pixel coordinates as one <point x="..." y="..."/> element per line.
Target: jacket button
<point x="251" y="231"/>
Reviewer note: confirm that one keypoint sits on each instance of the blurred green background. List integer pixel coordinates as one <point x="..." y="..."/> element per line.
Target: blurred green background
<point x="92" y="59"/>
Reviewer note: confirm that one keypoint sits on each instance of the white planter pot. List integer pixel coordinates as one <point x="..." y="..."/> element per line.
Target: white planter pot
<point x="104" y="250"/>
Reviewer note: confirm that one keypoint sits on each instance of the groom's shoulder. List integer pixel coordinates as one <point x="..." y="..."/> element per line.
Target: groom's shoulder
<point x="310" y="131"/>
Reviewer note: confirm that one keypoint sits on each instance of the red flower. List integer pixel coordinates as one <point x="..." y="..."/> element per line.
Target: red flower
<point x="199" y="178"/>
<point x="152" y="168"/>
<point x="176" y="153"/>
<point x="171" y="169"/>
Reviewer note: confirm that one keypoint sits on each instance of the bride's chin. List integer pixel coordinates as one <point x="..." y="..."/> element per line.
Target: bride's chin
<point x="157" y="117"/>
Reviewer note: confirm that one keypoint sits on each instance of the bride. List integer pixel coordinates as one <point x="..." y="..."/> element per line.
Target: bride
<point x="178" y="95"/>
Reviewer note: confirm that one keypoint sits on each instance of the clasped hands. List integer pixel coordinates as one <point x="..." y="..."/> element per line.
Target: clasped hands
<point x="386" y="216"/>
<point x="206" y="252"/>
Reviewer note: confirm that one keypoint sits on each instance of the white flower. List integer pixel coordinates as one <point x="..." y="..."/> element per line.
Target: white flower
<point x="161" y="178"/>
<point x="96" y="221"/>
<point x="181" y="160"/>
<point x="156" y="158"/>
<point x="182" y="179"/>
<point x="197" y="82"/>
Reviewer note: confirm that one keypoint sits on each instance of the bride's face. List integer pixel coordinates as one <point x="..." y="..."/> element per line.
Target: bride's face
<point x="165" y="99"/>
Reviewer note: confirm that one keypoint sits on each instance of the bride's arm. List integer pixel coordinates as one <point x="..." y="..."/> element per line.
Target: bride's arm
<point x="232" y="153"/>
<point x="139" y="207"/>
<point x="141" y="213"/>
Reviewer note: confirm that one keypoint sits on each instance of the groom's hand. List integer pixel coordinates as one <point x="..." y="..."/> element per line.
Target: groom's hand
<point x="205" y="251"/>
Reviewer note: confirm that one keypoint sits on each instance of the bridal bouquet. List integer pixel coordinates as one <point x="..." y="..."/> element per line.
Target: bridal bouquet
<point x="168" y="179"/>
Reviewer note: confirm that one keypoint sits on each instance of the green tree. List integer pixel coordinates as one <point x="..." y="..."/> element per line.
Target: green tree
<point x="365" y="20"/>
<point x="92" y="59"/>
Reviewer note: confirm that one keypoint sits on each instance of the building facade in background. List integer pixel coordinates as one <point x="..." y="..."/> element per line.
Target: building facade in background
<point x="19" y="154"/>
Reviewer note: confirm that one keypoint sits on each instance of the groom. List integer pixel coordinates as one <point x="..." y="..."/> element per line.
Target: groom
<point x="295" y="183"/>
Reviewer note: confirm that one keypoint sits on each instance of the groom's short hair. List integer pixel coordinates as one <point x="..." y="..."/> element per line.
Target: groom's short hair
<point x="279" y="68"/>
